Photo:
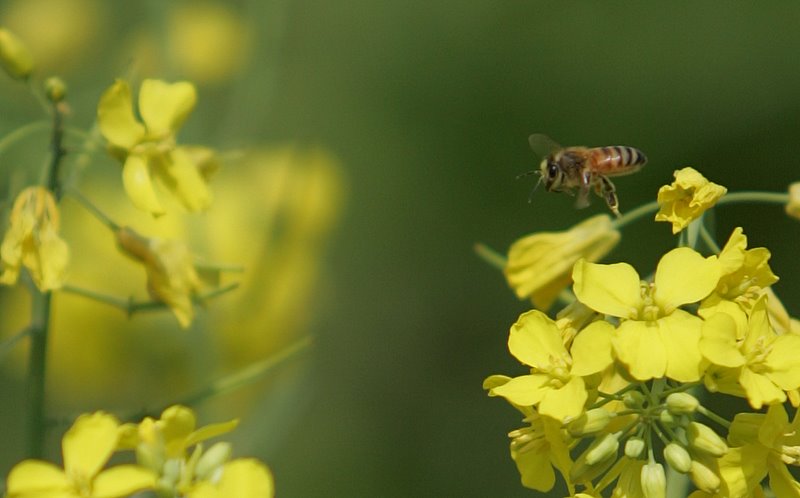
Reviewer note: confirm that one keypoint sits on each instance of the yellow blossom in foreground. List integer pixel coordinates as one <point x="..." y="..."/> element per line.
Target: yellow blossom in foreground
<point x="688" y="197"/>
<point x="149" y="149"/>
<point x="766" y="362"/>
<point x="86" y="447"/>
<point x="539" y="265"/>
<point x="32" y="241"/>
<point x="555" y="384"/>
<point x="171" y="275"/>
<point x="655" y="338"/>
<point x="241" y="478"/>
<point x="793" y="206"/>
<point x="537" y="448"/>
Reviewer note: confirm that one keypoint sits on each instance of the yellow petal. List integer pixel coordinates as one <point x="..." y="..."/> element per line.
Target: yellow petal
<point x="88" y="444"/>
<point x="182" y="176"/>
<point x="684" y="276"/>
<point x="139" y="185"/>
<point x="782" y="482"/>
<point x="534" y="467"/>
<point x="535" y="339"/>
<point x="165" y="106"/>
<point x="178" y="423"/>
<point x="123" y="480"/>
<point x="784" y="369"/>
<point x="638" y="345"/>
<point x="610" y="289"/>
<point x="759" y="389"/>
<point x="54" y="257"/>
<point x="565" y="402"/>
<point x="525" y="390"/>
<point x="591" y="349"/>
<point x="718" y="341"/>
<point x="115" y="117"/>
<point x="731" y="257"/>
<point x="211" y="430"/>
<point x="33" y="476"/>
<point x="246" y="478"/>
<point x="680" y="334"/>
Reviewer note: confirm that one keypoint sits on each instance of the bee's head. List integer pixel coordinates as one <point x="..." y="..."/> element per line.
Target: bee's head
<point x="551" y="173"/>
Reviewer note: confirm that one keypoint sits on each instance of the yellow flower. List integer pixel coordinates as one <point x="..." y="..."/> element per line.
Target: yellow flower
<point x="241" y="478"/>
<point x="555" y="384"/>
<point x="793" y="207"/>
<point x="171" y="275"/>
<point x="149" y="149"/>
<point x="32" y="241"/>
<point x="86" y="447"/>
<point x="539" y="265"/>
<point x="688" y="197"/>
<point x="766" y="362"/>
<point x="655" y="337"/>
<point x="15" y="57"/>
<point x="764" y="444"/>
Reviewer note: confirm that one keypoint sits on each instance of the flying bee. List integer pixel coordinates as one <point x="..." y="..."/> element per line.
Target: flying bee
<point x="565" y="169"/>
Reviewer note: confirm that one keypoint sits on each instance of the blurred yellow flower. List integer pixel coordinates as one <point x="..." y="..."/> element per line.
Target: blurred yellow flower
<point x="86" y="447"/>
<point x="793" y="207"/>
<point x="241" y="478"/>
<point x="15" y="57"/>
<point x="171" y="275"/>
<point x="148" y="150"/>
<point x="688" y="197"/>
<point x="208" y="41"/>
<point x="539" y="265"/>
<point x="32" y="241"/>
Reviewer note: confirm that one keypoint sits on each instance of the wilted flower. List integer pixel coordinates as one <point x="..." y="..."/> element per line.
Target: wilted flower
<point x="688" y="197"/>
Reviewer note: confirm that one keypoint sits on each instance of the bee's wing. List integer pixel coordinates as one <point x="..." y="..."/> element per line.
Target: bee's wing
<point x="542" y="145"/>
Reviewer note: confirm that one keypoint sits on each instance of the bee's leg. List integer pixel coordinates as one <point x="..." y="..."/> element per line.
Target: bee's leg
<point x="610" y="195"/>
<point x="583" y="191"/>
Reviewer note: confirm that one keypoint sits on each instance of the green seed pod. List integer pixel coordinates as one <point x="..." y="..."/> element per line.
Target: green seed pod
<point x="15" y="57"/>
<point x="703" y="438"/>
<point x="677" y="457"/>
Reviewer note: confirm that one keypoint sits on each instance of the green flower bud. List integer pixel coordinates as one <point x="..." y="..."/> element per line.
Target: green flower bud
<point x="704" y="478"/>
<point x="213" y="459"/>
<point x="601" y="448"/>
<point x="654" y="481"/>
<point x="15" y="57"/>
<point x="633" y="399"/>
<point x="590" y="422"/>
<point x="669" y="419"/>
<point x="682" y="403"/>
<point x="677" y="457"/>
<point x="634" y="447"/>
<point x="55" y="89"/>
<point x="703" y="438"/>
<point x="151" y="457"/>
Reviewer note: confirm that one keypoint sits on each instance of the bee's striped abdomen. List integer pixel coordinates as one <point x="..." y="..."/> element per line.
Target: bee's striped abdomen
<point x="617" y="160"/>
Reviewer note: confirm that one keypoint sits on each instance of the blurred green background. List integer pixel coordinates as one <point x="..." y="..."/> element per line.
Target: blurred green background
<point x="427" y="105"/>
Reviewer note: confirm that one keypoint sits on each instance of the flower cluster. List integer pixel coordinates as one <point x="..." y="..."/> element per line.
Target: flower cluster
<point x="614" y="388"/>
<point x="171" y="461"/>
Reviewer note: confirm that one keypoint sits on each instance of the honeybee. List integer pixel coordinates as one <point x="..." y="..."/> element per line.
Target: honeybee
<point x="565" y="169"/>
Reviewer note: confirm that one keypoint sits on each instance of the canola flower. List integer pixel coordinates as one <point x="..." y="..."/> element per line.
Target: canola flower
<point x="613" y="396"/>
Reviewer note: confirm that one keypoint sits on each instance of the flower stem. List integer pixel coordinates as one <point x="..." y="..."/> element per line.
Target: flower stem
<point x="634" y="215"/>
<point x="89" y="206"/>
<point x="713" y="416"/>
<point x="38" y="330"/>
<point x="753" y="196"/>
<point x="40" y="308"/>
<point x="491" y="256"/>
<point x="21" y="133"/>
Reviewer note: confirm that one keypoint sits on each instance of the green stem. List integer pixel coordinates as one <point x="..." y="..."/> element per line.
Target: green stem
<point x="713" y="416"/>
<point x="21" y="133"/>
<point x="709" y="239"/>
<point x="89" y="206"/>
<point x="9" y="343"/>
<point x="754" y="196"/>
<point x="38" y="330"/>
<point x="634" y="215"/>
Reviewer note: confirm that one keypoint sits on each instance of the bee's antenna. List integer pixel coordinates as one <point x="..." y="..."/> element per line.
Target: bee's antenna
<point x="529" y="173"/>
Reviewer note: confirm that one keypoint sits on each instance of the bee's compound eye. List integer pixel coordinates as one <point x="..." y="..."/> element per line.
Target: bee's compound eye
<point x="552" y="170"/>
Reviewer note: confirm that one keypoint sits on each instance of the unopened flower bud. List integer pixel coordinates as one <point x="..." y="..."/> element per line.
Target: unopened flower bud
<point x="634" y="447"/>
<point x="15" y="57"/>
<point x="793" y="207"/>
<point x="589" y="422"/>
<point x="150" y="456"/>
<point x="654" y="481"/>
<point x="601" y="448"/>
<point x="603" y="453"/>
<point x="682" y="403"/>
<point x="678" y="458"/>
<point x="703" y="438"/>
<point x="669" y="419"/>
<point x="55" y="89"/>
<point x="704" y="478"/>
<point x="633" y="399"/>
<point x="213" y="459"/>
